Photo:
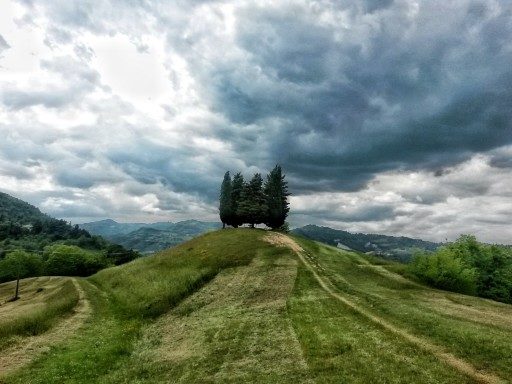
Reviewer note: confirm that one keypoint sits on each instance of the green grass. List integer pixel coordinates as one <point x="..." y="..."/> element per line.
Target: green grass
<point x="438" y="316"/>
<point x="125" y="299"/>
<point x="228" y="307"/>
<point x="37" y="313"/>
<point x="149" y="286"/>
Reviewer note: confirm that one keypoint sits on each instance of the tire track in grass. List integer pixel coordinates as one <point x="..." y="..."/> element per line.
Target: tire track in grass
<point x="29" y="348"/>
<point x="460" y="365"/>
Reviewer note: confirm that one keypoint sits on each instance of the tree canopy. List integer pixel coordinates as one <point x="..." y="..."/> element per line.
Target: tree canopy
<point x="254" y="202"/>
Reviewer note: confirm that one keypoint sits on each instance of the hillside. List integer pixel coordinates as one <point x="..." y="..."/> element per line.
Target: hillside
<point x="25" y="227"/>
<point x="17" y="211"/>
<point x="152" y="237"/>
<point x="253" y="306"/>
<point x="390" y="247"/>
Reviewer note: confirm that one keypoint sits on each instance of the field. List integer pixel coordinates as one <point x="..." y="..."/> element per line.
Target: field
<point x="253" y="306"/>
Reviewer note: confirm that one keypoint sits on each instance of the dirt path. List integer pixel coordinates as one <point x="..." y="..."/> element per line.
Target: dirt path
<point x="27" y="349"/>
<point x="450" y="359"/>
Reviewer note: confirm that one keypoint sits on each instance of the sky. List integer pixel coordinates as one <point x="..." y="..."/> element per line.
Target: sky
<point x="390" y="116"/>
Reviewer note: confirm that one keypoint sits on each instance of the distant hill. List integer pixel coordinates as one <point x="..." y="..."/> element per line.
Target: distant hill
<point x="391" y="247"/>
<point x="110" y="227"/>
<point x="149" y="238"/>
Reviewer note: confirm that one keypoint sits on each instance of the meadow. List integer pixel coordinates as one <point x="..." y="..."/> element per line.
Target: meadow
<point x="248" y="305"/>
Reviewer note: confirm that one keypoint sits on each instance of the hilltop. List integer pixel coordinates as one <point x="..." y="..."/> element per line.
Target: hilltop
<point x="247" y="305"/>
<point x="390" y="247"/>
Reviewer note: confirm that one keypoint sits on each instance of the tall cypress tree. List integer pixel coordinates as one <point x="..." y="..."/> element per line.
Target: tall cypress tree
<point x="253" y="208"/>
<point x="276" y="193"/>
<point x="236" y="196"/>
<point x="225" y="207"/>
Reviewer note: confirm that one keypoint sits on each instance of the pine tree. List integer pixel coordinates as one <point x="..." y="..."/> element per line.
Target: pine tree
<point x="225" y="208"/>
<point x="236" y="196"/>
<point x="276" y="193"/>
<point x="252" y="208"/>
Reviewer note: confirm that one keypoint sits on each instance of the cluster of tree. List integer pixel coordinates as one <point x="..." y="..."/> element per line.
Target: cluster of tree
<point x="51" y="228"/>
<point x="470" y="267"/>
<point x="254" y="202"/>
<point x="60" y="260"/>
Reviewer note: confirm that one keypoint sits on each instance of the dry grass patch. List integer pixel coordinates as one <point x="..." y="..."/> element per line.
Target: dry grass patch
<point x="62" y="296"/>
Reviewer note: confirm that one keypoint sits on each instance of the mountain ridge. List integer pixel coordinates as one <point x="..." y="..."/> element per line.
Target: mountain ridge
<point x="392" y="247"/>
<point x="149" y="237"/>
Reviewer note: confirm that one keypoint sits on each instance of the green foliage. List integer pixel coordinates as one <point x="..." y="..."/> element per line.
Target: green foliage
<point x="69" y="260"/>
<point x="236" y="198"/>
<point x="253" y="208"/>
<point x="444" y="271"/>
<point x="20" y="264"/>
<point x="253" y="203"/>
<point x="470" y="267"/>
<point x="24" y="227"/>
<point x="225" y="206"/>
<point x="276" y="193"/>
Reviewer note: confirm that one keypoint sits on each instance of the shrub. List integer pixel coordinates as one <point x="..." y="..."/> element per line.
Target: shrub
<point x="70" y="260"/>
<point x="468" y="266"/>
<point x="444" y="271"/>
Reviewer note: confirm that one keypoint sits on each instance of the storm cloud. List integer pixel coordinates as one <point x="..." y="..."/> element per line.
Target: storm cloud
<point x="136" y="109"/>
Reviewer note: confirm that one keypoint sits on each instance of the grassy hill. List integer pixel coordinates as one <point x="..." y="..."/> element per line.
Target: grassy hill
<point x="248" y="305"/>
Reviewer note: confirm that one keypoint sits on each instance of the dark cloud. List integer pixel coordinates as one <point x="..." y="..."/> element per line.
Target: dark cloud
<point x="365" y="213"/>
<point x="407" y="95"/>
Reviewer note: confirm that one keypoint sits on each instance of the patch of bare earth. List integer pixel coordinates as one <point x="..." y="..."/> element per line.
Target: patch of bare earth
<point x="446" y="357"/>
<point x="235" y="329"/>
<point x="26" y="349"/>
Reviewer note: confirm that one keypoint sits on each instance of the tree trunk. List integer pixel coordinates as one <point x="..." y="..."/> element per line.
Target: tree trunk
<point x="223" y="225"/>
<point x="16" y="297"/>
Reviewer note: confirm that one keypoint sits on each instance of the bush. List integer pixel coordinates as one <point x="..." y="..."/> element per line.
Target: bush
<point x="468" y="266"/>
<point x="70" y="260"/>
<point x="20" y="264"/>
<point x="443" y="271"/>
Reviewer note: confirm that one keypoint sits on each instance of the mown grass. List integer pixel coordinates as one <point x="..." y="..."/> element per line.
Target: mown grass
<point x="149" y="286"/>
<point x="153" y="323"/>
<point x="423" y="311"/>
<point x="234" y="330"/>
<point x="36" y="319"/>
<point x="341" y="346"/>
<point x="127" y="298"/>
